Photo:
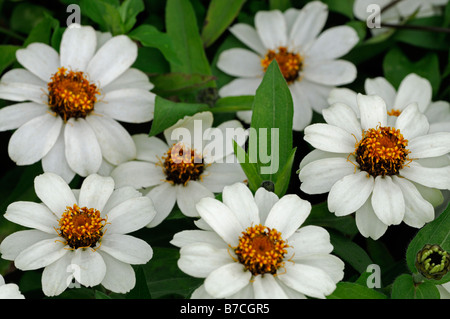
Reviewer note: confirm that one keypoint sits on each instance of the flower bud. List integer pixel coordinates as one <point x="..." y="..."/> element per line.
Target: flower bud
<point x="432" y="262"/>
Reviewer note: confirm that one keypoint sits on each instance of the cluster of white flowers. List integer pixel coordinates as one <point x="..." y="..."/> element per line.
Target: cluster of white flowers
<point x="383" y="155"/>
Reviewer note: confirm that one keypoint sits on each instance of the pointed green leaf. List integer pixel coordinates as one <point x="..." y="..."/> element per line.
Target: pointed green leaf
<point x="250" y="168"/>
<point x="405" y="288"/>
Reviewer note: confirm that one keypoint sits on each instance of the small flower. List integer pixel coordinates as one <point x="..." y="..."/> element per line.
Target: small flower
<point x="184" y="170"/>
<point x="307" y="58"/>
<point x="9" y="291"/>
<point x="413" y="88"/>
<point x="73" y="102"/>
<point x="253" y="247"/>
<point x="398" y="12"/>
<point x="378" y="171"/>
<point x="80" y="234"/>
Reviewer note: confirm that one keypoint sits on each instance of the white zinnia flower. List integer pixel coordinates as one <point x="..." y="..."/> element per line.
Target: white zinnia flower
<point x="413" y="88"/>
<point x="369" y="168"/>
<point x="398" y="12"/>
<point x="67" y="249"/>
<point x="252" y="247"/>
<point x="444" y="290"/>
<point x="73" y="101"/>
<point x="196" y="161"/>
<point x="307" y="58"/>
<point x="9" y="291"/>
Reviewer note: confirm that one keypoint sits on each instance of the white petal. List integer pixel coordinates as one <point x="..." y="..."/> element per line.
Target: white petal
<point x="217" y="176"/>
<point x="387" y="201"/>
<point x="310" y="240"/>
<point x="92" y="268"/>
<point x="41" y="59"/>
<point x="369" y="225"/>
<point x="345" y="96"/>
<point x="138" y="174"/>
<point x="188" y="196"/>
<point x="240" y="86"/>
<point x="55" y="160"/>
<point x="196" y="126"/>
<point x="57" y="276"/>
<point x="119" y="195"/>
<point x="32" y="215"/>
<point x="119" y="277"/>
<point x="412" y="122"/>
<point x="149" y="149"/>
<point x="342" y="115"/>
<point x="187" y="237"/>
<point x="329" y="138"/>
<point x="130" y="215"/>
<point x="23" y="76"/>
<point x="381" y="87"/>
<point x="271" y="28"/>
<point x="200" y="259"/>
<point x="40" y="254"/>
<point x="319" y="176"/>
<point x="373" y="111"/>
<point x="414" y="88"/>
<point x="22" y="92"/>
<point x="77" y="47"/>
<point x="333" y="43"/>
<point x="350" y="193"/>
<point x="95" y="191"/>
<point x="128" y="249"/>
<point x="221" y="219"/>
<point x="14" y="244"/>
<point x="431" y="145"/>
<point x="83" y="152"/>
<point x="239" y="199"/>
<point x="14" y="116"/>
<point x="131" y="105"/>
<point x="265" y="201"/>
<point x="54" y="192"/>
<point x="227" y="280"/>
<point x="308" y="24"/>
<point x="288" y="214"/>
<point x="112" y="59"/>
<point x="248" y="35"/>
<point x="131" y="78"/>
<point x="164" y="198"/>
<point x="316" y="94"/>
<point x="332" y="265"/>
<point x="267" y="287"/>
<point x="302" y="106"/>
<point x="309" y="280"/>
<point x="430" y="177"/>
<point x="418" y="211"/>
<point x="240" y="63"/>
<point x="115" y="142"/>
<point x="331" y="72"/>
<point x="34" y="139"/>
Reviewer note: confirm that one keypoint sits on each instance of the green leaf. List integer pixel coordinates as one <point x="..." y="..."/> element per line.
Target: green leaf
<point x="350" y="252"/>
<point x="128" y="11"/>
<point x="165" y="278"/>
<point x="344" y="7"/>
<point x="43" y="31"/>
<point x="7" y="56"/>
<point x="105" y="13"/>
<point x="151" y="37"/>
<point x="178" y="83"/>
<point x="101" y="295"/>
<point x="405" y="288"/>
<point x="397" y="66"/>
<point x="219" y="16"/>
<point x="26" y="16"/>
<point x="272" y="122"/>
<point x="167" y="113"/>
<point x="281" y="5"/>
<point x="350" y="290"/>
<point x="181" y="25"/>
<point x="233" y="104"/>
<point x="250" y="168"/>
<point x="435" y="233"/>
<point x="283" y="179"/>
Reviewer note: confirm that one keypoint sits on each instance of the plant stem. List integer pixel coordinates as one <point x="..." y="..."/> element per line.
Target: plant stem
<point x="415" y="27"/>
<point x="11" y="34"/>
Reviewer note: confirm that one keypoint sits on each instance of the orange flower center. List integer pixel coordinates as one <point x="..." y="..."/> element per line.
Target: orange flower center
<point x="81" y="227"/>
<point x="182" y="164"/>
<point x="290" y="63"/>
<point x="382" y="151"/>
<point x="394" y="112"/>
<point x="261" y="250"/>
<point x="71" y="94"/>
